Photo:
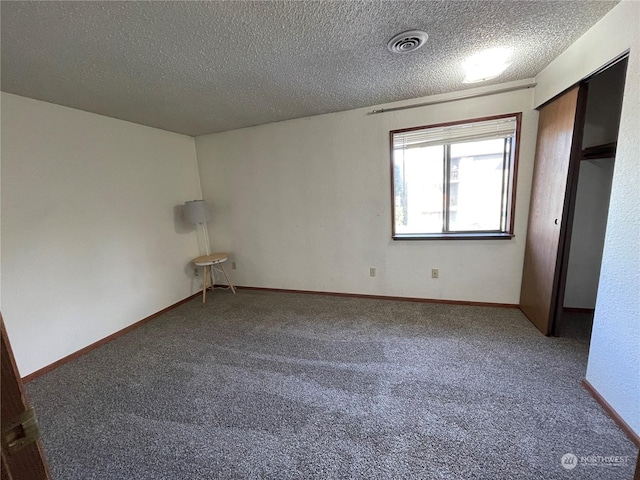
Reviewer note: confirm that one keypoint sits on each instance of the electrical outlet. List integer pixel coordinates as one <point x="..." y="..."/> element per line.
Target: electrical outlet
<point x="233" y="266"/>
<point x="196" y="272"/>
<point x="434" y="273"/>
<point x="372" y="271"/>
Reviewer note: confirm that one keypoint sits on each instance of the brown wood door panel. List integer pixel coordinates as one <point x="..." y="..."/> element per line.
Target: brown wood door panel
<point x="555" y="148"/>
<point x="28" y="463"/>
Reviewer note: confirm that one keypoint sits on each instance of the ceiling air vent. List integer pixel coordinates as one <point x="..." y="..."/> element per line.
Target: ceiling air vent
<point x="406" y="42"/>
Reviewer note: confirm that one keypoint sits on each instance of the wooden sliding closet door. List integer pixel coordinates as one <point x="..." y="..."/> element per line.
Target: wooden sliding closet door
<point x="560" y="128"/>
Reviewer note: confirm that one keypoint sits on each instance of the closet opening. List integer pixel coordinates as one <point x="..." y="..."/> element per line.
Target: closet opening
<point x="589" y="203"/>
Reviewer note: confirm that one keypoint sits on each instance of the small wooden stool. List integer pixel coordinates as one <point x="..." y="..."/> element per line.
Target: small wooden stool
<point x="207" y="262"/>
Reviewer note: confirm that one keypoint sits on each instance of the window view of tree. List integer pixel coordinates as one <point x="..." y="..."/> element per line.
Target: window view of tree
<point x="454" y="180"/>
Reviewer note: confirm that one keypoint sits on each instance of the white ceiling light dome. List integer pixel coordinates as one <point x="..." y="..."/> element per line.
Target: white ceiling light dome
<point x="486" y="65"/>
<point x="408" y="41"/>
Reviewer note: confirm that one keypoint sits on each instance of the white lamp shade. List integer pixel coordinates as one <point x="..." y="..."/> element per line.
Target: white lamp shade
<point x="197" y="211"/>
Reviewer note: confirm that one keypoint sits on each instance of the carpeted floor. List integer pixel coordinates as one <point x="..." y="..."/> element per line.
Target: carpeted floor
<point x="280" y="385"/>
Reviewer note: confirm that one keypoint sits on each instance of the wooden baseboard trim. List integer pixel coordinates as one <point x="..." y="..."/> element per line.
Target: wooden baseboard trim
<point x="107" y="339"/>
<point x="125" y="330"/>
<point x="624" y="426"/>
<point x="383" y="297"/>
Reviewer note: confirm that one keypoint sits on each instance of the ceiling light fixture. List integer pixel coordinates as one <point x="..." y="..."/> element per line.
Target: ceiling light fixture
<point x="406" y="42"/>
<point x="486" y="65"/>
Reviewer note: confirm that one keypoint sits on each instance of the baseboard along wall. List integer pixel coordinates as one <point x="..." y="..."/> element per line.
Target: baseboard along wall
<point x="106" y="339"/>
<point x="383" y="297"/>
<point x="125" y="330"/>
<point x="624" y="426"/>
<point x="635" y="438"/>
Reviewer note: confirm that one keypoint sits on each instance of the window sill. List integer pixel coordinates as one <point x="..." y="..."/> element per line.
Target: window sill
<point x="454" y="236"/>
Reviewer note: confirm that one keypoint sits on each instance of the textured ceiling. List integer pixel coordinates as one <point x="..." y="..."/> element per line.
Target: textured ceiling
<point x="203" y="67"/>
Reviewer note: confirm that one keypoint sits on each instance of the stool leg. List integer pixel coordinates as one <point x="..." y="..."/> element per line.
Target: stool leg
<point x="204" y="284"/>
<point x="228" y="281"/>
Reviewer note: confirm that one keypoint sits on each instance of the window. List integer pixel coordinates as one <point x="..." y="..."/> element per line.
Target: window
<point x="455" y="180"/>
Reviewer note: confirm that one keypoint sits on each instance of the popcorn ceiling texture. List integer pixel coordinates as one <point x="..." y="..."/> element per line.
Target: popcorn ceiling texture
<point x="205" y="67"/>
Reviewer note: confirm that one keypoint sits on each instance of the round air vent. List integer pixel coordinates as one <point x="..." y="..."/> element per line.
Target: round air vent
<point x="406" y="42"/>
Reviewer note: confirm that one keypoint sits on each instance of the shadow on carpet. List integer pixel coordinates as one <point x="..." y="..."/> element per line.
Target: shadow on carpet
<point x="297" y="386"/>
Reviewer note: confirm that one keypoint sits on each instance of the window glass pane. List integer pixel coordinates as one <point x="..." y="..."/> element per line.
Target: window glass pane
<point x="418" y="175"/>
<point x="476" y="186"/>
<point x="455" y="180"/>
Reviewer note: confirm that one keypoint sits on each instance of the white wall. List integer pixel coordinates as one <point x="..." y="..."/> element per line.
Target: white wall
<point x="306" y="204"/>
<point x="90" y="239"/>
<point x="589" y="226"/>
<point x="614" y="355"/>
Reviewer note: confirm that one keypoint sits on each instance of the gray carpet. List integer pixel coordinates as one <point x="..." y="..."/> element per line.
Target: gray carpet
<point x="278" y="385"/>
